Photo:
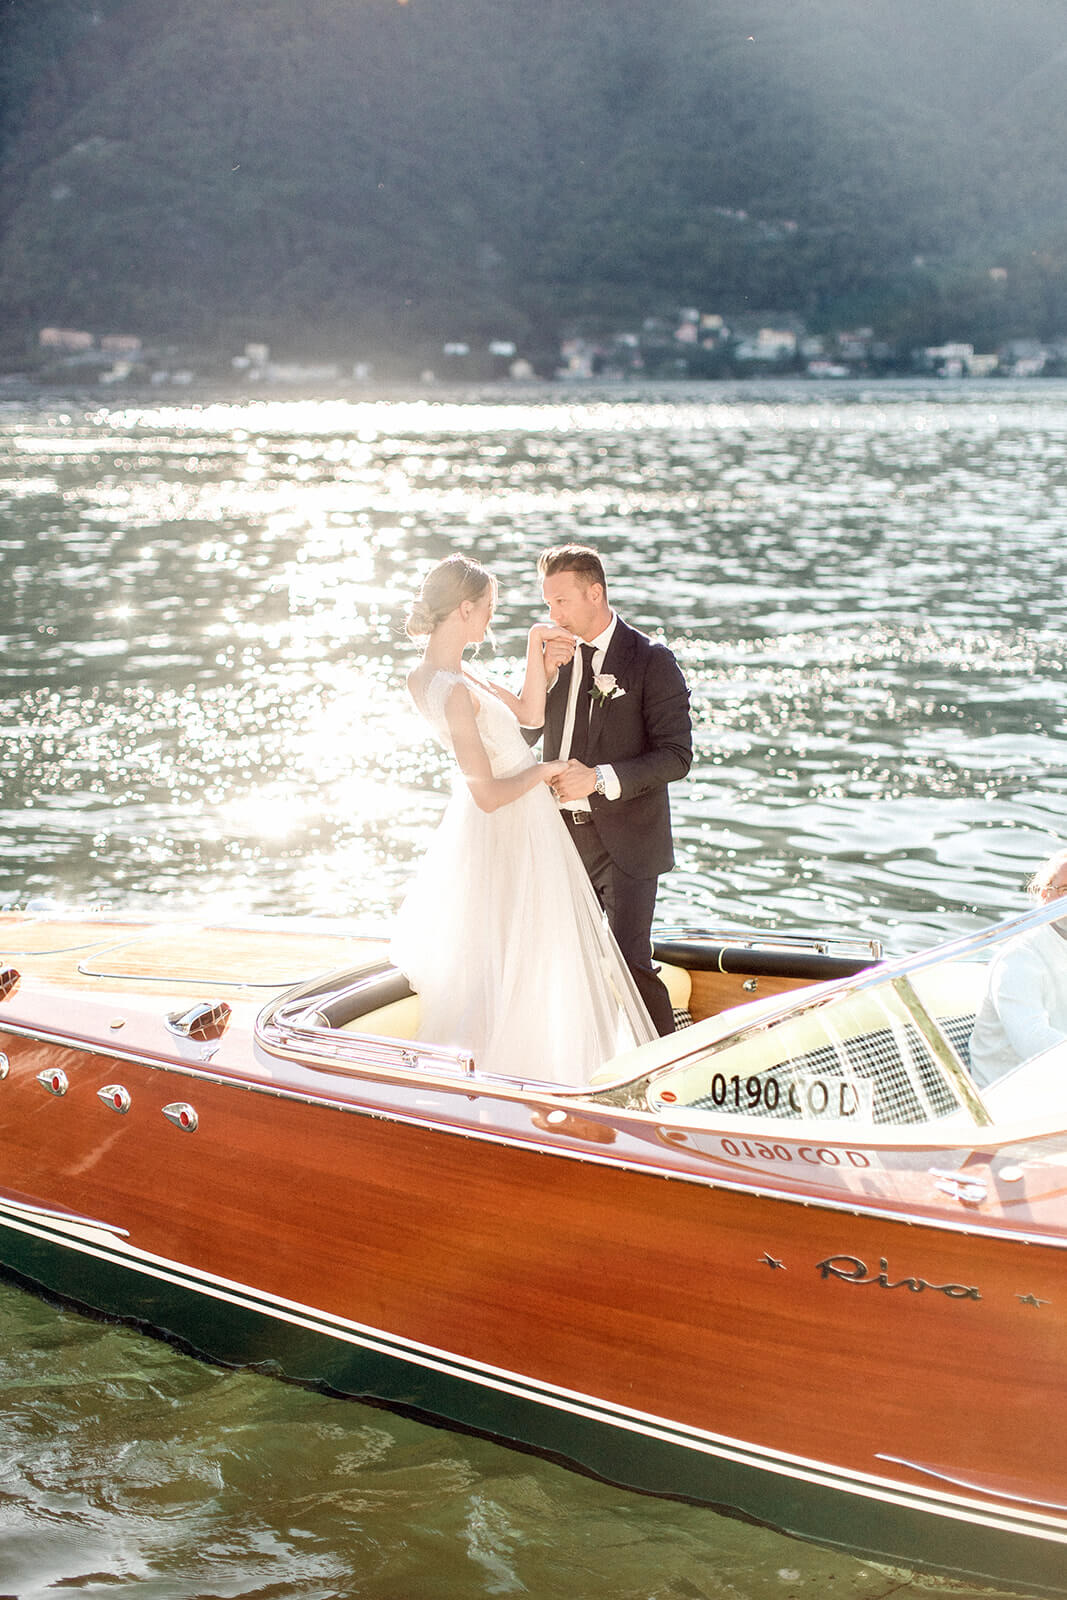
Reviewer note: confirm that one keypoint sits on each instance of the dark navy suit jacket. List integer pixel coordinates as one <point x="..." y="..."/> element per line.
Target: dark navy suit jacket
<point x="645" y="734"/>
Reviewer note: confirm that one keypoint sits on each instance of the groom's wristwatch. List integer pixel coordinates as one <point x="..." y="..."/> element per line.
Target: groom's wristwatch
<point x="600" y="786"/>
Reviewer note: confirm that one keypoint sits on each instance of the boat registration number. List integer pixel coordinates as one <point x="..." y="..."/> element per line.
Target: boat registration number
<point x="829" y="1099"/>
<point x="811" y="1155"/>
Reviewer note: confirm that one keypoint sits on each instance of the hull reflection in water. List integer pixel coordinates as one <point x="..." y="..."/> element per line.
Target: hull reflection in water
<point x="789" y="1261"/>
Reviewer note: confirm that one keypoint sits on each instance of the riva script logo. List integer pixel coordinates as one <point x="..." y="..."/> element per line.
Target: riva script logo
<point x="850" y="1269"/>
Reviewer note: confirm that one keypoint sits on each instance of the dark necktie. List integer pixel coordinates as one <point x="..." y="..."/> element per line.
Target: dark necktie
<point x="583" y="705"/>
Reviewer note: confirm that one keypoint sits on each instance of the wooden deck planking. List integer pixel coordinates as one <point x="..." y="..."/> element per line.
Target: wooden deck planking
<point x="111" y="955"/>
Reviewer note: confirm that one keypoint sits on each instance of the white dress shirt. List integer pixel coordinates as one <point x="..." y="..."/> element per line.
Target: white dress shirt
<point x="612" y="786"/>
<point x="1024" y="1009"/>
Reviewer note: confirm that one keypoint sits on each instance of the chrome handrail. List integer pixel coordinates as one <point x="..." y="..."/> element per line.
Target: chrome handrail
<point x="761" y="938"/>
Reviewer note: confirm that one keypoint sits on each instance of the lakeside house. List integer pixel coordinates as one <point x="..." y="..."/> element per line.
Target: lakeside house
<point x="690" y="343"/>
<point x="768" y="345"/>
<point x="65" y="339"/>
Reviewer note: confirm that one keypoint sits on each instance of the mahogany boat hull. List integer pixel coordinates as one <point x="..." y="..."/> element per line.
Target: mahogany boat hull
<point x="848" y="1377"/>
<point x="827" y="1333"/>
<point x="879" y="1519"/>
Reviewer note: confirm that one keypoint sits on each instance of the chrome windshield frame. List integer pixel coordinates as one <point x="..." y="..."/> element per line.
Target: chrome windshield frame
<point x="634" y="1092"/>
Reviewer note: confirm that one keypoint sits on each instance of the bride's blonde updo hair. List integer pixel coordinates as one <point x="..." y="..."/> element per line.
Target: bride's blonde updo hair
<point x="446" y="586"/>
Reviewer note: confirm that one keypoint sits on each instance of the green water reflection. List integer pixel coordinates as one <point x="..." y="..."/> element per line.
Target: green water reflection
<point x="129" y="1467"/>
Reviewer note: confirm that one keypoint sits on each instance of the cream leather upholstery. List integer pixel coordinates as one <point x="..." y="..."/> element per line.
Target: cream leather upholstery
<point x="400" y="1019"/>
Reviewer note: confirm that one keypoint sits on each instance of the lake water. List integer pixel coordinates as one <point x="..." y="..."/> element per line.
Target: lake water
<point x="202" y="710"/>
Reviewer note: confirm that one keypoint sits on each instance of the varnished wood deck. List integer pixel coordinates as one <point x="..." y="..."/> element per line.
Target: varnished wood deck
<point x="106" y="954"/>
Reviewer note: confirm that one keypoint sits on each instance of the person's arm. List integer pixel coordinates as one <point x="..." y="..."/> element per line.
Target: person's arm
<point x="1020" y="989"/>
<point x="665" y="708"/>
<point x="668" y="733"/>
<point x="546" y="648"/>
<point x="489" y="793"/>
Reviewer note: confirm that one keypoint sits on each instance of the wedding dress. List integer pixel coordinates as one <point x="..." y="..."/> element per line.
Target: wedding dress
<point x="501" y="935"/>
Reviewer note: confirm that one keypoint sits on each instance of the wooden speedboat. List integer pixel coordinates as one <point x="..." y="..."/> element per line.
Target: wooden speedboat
<point x="789" y="1262"/>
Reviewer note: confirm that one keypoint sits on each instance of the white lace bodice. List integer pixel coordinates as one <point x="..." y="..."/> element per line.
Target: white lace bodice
<point x="498" y="727"/>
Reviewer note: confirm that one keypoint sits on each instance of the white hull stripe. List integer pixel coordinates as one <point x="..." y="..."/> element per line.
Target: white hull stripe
<point x="98" y="1242"/>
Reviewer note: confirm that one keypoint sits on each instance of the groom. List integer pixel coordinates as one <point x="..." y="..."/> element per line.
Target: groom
<point x="619" y="711"/>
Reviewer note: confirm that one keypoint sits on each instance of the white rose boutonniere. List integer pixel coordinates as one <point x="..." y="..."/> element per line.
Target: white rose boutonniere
<point x="606" y="687"/>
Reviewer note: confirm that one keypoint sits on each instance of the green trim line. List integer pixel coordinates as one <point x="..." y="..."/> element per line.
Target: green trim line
<point x="937" y="1531"/>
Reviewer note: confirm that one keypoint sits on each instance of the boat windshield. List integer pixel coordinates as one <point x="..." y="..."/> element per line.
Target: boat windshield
<point x="912" y="1042"/>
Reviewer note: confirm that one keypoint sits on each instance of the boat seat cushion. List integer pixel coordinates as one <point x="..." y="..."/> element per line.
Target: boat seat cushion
<point x="679" y="985"/>
<point x="397" y="1020"/>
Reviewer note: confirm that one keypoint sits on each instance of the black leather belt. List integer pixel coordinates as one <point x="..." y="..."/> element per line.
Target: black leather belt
<point x="578" y="817"/>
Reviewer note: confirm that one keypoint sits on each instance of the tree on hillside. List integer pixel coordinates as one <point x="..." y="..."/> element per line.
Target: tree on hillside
<point x="382" y="173"/>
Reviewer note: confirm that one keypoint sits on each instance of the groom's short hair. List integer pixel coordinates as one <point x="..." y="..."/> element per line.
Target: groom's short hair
<point x="577" y="558"/>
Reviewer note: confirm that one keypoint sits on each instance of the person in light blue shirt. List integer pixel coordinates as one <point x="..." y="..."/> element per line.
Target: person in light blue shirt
<point x="1024" y="1009"/>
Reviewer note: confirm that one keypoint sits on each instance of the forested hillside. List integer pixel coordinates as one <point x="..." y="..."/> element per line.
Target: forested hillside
<point x="361" y="175"/>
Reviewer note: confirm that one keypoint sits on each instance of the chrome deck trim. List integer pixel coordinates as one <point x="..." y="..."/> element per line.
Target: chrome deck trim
<point x="971" y="1226"/>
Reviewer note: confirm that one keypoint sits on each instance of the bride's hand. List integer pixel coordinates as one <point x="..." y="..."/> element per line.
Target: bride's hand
<point x="557" y="644"/>
<point x="552" y="769"/>
<point x="544" y="631"/>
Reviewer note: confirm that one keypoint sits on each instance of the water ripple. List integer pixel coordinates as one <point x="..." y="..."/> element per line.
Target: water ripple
<point x="201" y="681"/>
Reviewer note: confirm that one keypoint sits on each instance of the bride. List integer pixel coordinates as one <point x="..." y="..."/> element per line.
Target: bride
<point x="501" y="935"/>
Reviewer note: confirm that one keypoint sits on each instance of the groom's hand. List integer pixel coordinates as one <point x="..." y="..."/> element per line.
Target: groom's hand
<point x="575" y="782"/>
